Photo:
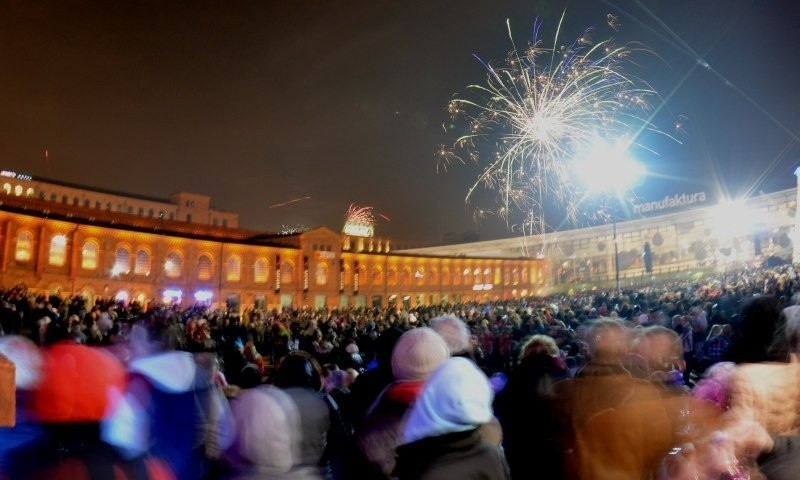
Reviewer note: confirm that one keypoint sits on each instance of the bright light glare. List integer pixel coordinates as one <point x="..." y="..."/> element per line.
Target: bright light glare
<point x="608" y="166"/>
<point x="733" y="218"/>
<point x="203" y="295"/>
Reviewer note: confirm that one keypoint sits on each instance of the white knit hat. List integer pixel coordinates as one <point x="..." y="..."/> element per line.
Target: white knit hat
<point x="417" y="353"/>
<point x="454" y="331"/>
<point x="457" y="397"/>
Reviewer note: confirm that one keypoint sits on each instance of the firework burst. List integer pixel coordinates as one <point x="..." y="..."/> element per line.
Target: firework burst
<point x="360" y="215"/>
<point x="538" y="111"/>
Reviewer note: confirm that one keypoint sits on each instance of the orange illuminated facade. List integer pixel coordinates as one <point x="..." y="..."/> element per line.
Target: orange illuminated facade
<point x="66" y="249"/>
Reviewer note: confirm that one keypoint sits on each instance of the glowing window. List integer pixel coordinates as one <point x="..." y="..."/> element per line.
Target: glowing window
<point x="29" y="192"/>
<point x="234" y="270"/>
<point x="24" y="247"/>
<point x="173" y="266"/>
<point x="89" y="255"/>
<point x="321" y="275"/>
<point x="205" y="267"/>
<point x="142" y="266"/>
<point x="18" y="190"/>
<point x="261" y="271"/>
<point x="58" y="250"/>
<point x="7" y="188"/>
<point x="122" y="262"/>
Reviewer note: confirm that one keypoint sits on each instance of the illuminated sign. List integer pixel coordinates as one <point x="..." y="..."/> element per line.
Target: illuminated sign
<point x="669" y="202"/>
<point x="203" y="296"/>
<point x="482" y="286"/>
<point x="18" y="176"/>
<point x="358" y="229"/>
<point x="326" y="255"/>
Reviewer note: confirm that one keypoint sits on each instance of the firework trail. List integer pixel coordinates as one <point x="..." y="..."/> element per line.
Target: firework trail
<point x="539" y="110"/>
<point x="289" y="202"/>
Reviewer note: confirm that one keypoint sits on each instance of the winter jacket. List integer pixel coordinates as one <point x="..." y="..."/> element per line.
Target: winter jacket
<point x="768" y="393"/>
<point x="460" y="455"/>
<point x="615" y="426"/>
<point x="378" y="437"/>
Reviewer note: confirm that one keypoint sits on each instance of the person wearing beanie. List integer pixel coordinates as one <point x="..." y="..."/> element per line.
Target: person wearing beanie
<point x="455" y="334"/>
<point x="417" y="353"/>
<point x="441" y="437"/>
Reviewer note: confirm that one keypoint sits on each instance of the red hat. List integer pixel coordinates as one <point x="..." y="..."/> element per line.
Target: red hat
<point x="77" y="384"/>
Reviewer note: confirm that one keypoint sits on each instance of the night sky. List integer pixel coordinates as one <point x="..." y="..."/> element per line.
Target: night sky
<point x="262" y="102"/>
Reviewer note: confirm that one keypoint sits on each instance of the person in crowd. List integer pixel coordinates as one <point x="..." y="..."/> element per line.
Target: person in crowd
<point x="19" y="430"/>
<point x="417" y="353"/>
<point x="614" y="425"/>
<point x="325" y="437"/>
<point x="270" y="439"/>
<point x="164" y="412"/>
<point x="371" y="383"/>
<point x="760" y="319"/>
<point x="441" y="438"/>
<point x="716" y="345"/>
<point x="524" y="406"/>
<point x="455" y="334"/>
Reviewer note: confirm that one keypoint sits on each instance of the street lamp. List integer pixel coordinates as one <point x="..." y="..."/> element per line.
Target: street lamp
<point x="608" y="169"/>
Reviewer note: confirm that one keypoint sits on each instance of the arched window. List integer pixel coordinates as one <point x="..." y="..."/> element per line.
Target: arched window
<point x="58" y="250"/>
<point x="18" y="190"/>
<point x="234" y="273"/>
<point x="122" y="261"/>
<point x="7" y="188"/>
<point x="391" y="277"/>
<point x="205" y="267"/>
<point x="142" y="266"/>
<point x="287" y="273"/>
<point x="89" y="255"/>
<point x="173" y="266"/>
<point x="29" y="192"/>
<point x="321" y="275"/>
<point x="261" y="270"/>
<point x="24" y="249"/>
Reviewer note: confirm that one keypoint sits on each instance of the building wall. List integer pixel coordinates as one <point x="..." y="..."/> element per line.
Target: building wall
<point x="185" y="207"/>
<point x="681" y="241"/>
<point x="316" y="273"/>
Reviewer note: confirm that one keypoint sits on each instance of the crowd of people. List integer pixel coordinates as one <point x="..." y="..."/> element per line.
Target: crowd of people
<point x="679" y="380"/>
